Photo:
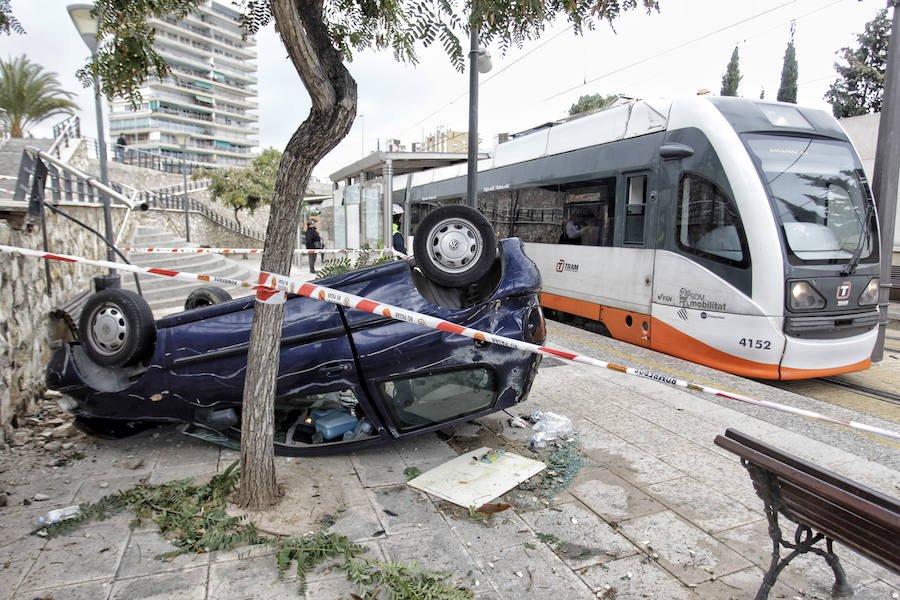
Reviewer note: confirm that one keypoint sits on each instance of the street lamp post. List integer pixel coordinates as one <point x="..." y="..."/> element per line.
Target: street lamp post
<point x="87" y="27"/>
<point x="182" y="139"/>
<point x="884" y="177"/>
<point x="479" y="62"/>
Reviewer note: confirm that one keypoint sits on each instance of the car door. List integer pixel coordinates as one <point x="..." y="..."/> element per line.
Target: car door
<point x="420" y="378"/>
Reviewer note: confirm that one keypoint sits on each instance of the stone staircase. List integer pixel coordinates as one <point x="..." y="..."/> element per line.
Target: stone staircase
<point x="166" y="296"/>
<point x="11" y="152"/>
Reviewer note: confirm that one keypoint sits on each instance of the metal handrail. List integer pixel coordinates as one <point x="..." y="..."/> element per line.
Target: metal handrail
<point x="68" y="129"/>
<point x="149" y="160"/>
<point x="97" y="185"/>
<point x="166" y="197"/>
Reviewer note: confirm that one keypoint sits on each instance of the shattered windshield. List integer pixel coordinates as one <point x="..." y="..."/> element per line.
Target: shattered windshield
<point x="817" y="195"/>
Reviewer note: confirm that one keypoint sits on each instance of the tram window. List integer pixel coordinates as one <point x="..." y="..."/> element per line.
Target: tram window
<point x="818" y="197"/>
<point x="634" y="210"/>
<point x="497" y="207"/>
<point x="421" y="208"/>
<point x="538" y="214"/>
<point x="708" y="223"/>
<point x="637" y="188"/>
<point x="589" y="214"/>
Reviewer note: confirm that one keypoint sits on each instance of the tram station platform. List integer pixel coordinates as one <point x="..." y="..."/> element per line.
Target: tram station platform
<point x="656" y="511"/>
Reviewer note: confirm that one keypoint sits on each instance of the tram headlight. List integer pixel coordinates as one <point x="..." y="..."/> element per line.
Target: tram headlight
<point x="870" y="294"/>
<point x="805" y="297"/>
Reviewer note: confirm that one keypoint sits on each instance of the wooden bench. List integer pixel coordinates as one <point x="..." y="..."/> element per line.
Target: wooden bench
<point x="823" y="505"/>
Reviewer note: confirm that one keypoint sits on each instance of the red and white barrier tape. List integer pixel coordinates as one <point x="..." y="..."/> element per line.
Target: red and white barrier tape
<point x="272" y="287"/>
<point x="247" y="251"/>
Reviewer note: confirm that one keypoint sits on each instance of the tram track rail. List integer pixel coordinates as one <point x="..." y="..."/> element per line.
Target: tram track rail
<point x="864" y="390"/>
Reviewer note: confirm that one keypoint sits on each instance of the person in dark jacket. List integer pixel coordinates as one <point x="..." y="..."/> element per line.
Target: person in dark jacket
<point x="121" y="143"/>
<point x="313" y="242"/>
<point x="397" y="239"/>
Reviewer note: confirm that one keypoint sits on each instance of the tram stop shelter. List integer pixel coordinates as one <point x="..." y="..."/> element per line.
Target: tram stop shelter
<point x="363" y="194"/>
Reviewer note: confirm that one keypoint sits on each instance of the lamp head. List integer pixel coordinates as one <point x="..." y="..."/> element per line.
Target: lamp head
<point x="85" y="23"/>
<point x="484" y="60"/>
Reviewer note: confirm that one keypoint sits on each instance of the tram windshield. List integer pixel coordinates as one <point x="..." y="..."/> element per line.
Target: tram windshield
<point x="818" y="197"/>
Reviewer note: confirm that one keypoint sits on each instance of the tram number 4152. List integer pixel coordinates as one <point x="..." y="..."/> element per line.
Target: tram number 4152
<point x="758" y="344"/>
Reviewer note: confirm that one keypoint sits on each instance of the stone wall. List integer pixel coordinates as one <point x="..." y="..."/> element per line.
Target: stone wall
<point x="25" y="327"/>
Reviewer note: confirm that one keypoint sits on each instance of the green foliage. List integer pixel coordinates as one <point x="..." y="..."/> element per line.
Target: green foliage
<point x="343" y="264"/>
<point x="125" y="57"/>
<point x="193" y="517"/>
<point x="732" y="77"/>
<point x="29" y="95"/>
<point x="859" y="88"/>
<point x="400" y="581"/>
<point x="547" y="538"/>
<point x="592" y="102"/>
<point x="244" y="187"/>
<point x="411" y="472"/>
<point x="787" y="92"/>
<point x="8" y="21"/>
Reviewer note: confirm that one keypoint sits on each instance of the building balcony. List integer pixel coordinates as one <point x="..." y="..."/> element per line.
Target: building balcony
<point x="227" y="112"/>
<point x="169" y="27"/>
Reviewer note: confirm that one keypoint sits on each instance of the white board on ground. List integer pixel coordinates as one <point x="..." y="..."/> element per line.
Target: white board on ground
<point x="477" y="477"/>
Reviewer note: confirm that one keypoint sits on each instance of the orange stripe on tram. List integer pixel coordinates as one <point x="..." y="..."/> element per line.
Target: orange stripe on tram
<point x="669" y="340"/>
<point x="789" y="373"/>
<point x="628" y="326"/>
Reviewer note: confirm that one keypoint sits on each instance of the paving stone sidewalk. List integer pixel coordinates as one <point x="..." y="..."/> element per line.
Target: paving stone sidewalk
<point x="658" y="511"/>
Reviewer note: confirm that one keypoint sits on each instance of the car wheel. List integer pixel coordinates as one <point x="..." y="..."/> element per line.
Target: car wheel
<point x="116" y="328"/>
<point x="206" y="296"/>
<point x="455" y="245"/>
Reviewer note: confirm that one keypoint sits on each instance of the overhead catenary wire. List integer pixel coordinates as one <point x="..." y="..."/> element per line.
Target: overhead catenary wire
<point x="631" y="65"/>
<point x="768" y="31"/>
<point x="487" y="79"/>
<point x="672" y="49"/>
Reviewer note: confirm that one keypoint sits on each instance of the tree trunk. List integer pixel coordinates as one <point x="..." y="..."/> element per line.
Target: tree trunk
<point x="333" y="94"/>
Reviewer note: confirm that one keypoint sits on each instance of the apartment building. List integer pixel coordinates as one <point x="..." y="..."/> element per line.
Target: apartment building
<point x="207" y="103"/>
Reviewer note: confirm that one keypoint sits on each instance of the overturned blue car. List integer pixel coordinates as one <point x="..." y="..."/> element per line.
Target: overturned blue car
<point x="347" y="378"/>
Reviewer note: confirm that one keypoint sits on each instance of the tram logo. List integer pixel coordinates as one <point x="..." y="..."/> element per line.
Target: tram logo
<point x="682" y="314"/>
<point x="843" y="291"/>
<point x="697" y="300"/>
<point x="562" y="265"/>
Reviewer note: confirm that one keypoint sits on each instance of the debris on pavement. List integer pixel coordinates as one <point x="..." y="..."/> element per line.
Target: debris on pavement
<point x="477" y="477"/>
<point x="548" y="426"/>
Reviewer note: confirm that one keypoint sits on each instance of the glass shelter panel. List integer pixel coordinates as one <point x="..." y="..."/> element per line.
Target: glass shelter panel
<point x="372" y="209"/>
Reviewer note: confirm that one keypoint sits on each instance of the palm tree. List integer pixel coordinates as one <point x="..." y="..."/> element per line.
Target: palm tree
<point x="29" y="95"/>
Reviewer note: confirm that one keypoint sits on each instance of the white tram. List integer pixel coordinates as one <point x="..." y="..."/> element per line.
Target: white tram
<point x="734" y="233"/>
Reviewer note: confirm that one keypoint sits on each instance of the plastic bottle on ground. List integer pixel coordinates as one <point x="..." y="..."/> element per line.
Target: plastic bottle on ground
<point x="59" y="514"/>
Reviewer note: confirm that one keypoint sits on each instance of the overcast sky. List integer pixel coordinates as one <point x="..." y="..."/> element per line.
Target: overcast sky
<point x="683" y="48"/>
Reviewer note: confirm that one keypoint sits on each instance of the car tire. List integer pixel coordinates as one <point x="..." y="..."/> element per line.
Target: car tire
<point x="116" y="328"/>
<point x="455" y="246"/>
<point x="206" y="296"/>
